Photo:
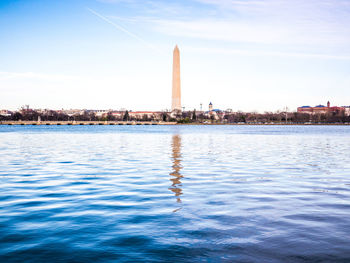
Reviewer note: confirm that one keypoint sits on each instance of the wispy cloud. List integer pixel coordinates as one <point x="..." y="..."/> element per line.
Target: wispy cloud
<point x="314" y="26"/>
<point x="227" y="51"/>
<point x="254" y="32"/>
<point x="4" y="75"/>
<point x="119" y="27"/>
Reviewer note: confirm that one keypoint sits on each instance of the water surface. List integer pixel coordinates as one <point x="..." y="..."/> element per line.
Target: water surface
<point x="174" y="194"/>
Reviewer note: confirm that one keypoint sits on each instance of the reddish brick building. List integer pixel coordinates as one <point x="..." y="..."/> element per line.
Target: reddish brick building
<point x="321" y="109"/>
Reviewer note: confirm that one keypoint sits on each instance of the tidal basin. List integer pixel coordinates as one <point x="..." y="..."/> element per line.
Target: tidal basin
<point x="174" y="193"/>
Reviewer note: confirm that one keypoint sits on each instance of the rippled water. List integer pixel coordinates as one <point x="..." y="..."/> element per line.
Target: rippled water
<point x="174" y="194"/>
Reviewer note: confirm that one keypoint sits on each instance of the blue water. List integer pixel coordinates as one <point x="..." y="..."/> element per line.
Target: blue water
<point x="174" y="194"/>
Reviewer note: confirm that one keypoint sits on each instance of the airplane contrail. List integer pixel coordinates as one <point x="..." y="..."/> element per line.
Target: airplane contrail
<point x="123" y="29"/>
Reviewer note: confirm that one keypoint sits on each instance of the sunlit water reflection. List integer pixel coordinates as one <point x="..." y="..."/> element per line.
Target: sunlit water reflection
<point x="174" y="193"/>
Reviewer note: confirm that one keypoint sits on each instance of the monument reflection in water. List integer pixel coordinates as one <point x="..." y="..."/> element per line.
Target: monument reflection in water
<point x="248" y="193"/>
<point x="176" y="167"/>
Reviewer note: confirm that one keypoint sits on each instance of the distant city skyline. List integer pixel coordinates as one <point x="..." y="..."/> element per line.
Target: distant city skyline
<point x="251" y="55"/>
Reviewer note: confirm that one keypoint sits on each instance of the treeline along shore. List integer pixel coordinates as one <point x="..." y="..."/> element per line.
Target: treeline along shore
<point x="27" y="116"/>
<point x="85" y="123"/>
<point x="48" y="123"/>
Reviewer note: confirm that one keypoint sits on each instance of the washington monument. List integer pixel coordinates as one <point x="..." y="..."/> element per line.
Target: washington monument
<point x="176" y="94"/>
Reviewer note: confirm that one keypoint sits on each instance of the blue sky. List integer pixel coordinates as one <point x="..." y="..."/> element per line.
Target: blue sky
<point x="249" y="55"/>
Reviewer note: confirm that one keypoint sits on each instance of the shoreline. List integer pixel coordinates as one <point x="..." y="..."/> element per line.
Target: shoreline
<point x="70" y="123"/>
